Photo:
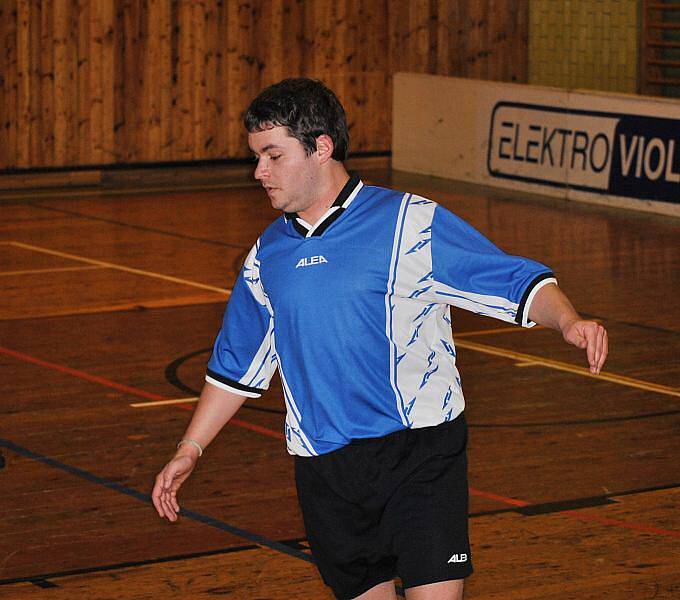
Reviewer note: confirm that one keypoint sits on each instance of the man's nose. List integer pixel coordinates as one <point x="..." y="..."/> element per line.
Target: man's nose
<point x="260" y="169"/>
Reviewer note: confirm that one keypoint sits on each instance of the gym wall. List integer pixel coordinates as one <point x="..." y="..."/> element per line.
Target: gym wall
<point x="124" y="82"/>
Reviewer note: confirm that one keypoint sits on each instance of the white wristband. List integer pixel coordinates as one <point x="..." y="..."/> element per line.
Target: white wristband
<point x="193" y="443"/>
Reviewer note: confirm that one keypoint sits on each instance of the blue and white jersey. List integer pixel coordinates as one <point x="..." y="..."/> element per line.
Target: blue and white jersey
<point x="355" y="314"/>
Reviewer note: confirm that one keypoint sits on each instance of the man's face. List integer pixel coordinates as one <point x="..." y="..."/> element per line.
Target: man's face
<point x="286" y="173"/>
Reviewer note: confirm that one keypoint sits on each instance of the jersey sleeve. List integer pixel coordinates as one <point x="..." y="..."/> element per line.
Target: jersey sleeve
<point x="243" y="358"/>
<point x="470" y="272"/>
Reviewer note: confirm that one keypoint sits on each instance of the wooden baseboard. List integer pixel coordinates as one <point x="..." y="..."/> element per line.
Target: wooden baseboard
<point x="184" y="176"/>
<point x="26" y="181"/>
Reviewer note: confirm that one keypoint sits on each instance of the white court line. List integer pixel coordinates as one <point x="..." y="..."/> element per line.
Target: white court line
<point x="101" y="263"/>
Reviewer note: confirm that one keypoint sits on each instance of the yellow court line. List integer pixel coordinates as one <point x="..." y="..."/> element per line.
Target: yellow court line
<point x="163" y="402"/>
<point x="514" y="329"/>
<point x="180" y="301"/>
<point x="93" y="191"/>
<point x="560" y="366"/>
<point x="102" y="263"/>
<point x="54" y="270"/>
<point x="518" y="356"/>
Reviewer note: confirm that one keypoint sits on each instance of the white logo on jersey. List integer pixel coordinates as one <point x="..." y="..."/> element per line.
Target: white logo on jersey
<point x="311" y="260"/>
<point x="458" y="558"/>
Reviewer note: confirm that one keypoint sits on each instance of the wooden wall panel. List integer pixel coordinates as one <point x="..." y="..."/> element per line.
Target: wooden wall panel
<point x="143" y="81"/>
<point x="65" y="94"/>
<point x="8" y="102"/>
<point x="46" y="91"/>
<point x="23" y="56"/>
<point x="88" y="80"/>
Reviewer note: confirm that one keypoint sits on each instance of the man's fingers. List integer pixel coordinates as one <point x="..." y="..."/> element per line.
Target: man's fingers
<point x="167" y="507"/>
<point x="163" y="496"/>
<point x="168" y="481"/>
<point x="604" y="349"/>
<point x="156" y="496"/>
<point x="597" y="347"/>
<point x="599" y="332"/>
<point x="157" y="504"/>
<point x="170" y="504"/>
<point x="171" y="489"/>
<point x="167" y="513"/>
<point x="591" y="336"/>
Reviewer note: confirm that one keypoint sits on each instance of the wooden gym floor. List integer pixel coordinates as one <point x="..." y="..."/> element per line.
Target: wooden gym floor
<point x="109" y="305"/>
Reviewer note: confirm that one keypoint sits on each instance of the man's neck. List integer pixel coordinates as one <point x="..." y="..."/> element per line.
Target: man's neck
<point x="329" y="189"/>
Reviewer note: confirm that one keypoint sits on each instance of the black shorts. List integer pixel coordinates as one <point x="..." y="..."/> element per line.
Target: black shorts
<point x="383" y="507"/>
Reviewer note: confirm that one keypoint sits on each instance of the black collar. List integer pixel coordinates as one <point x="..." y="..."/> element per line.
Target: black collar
<point x="345" y="197"/>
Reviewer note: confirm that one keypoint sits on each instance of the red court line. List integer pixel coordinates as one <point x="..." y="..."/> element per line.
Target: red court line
<point x="81" y="375"/>
<point x="127" y="389"/>
<point x="579" y="515"/>
<point x="616" y="523"/>
<point x="268" y="432"/>
<point x="497" y="498"/>
<point x="257" y="428"/>
<point x="241" y="423"/>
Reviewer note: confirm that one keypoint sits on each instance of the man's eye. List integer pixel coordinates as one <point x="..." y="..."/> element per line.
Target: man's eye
<point x="275" y="156"/>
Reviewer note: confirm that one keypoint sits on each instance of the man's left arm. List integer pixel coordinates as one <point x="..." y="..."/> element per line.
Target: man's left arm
<point x="551" y="308"/>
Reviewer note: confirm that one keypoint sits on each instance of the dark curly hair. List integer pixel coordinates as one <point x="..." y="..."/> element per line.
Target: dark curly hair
<point x="307" y="108"/>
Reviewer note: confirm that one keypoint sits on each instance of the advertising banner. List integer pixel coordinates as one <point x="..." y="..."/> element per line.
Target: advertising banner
<point x="606" y="148"/>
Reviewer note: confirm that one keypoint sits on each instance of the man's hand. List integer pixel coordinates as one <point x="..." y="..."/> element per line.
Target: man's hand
<point x="551" y="308"/>
<point x="590" y="336"/>
<point x="168" y="481"/>
<point x="215" y="407"/>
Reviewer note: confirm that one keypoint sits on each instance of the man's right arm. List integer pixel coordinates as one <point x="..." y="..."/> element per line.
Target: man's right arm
<point x="215" y="407"/>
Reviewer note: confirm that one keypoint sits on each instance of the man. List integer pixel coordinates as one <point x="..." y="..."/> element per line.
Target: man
<point x="348" y="294"/>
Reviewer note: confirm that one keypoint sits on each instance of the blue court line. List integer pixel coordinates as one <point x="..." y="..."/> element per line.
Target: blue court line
<point x="146" y="498"/>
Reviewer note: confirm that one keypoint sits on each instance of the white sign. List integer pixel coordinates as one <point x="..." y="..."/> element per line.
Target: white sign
<point x="607" y="148"/>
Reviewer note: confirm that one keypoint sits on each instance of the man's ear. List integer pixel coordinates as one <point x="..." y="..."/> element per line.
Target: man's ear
<point x="324" y="148"/>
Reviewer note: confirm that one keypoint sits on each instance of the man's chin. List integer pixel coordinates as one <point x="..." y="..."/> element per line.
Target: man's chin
<point x="279" y="203"/>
